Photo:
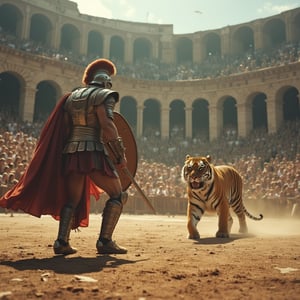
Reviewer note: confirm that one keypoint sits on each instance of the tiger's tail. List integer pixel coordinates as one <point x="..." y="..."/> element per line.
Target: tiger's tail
<point x="251" y="216"/>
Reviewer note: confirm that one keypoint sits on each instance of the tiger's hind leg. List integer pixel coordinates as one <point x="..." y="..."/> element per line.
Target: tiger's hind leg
<point x="237" y="205"/>
<point x="242" y="219"/>
<point x="193" y="220"/>
<point x="243" y="224"/>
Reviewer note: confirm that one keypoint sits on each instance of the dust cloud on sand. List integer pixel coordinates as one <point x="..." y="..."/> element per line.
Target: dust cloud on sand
<point x="269" y="227"/>
<point x="161" y="262"/>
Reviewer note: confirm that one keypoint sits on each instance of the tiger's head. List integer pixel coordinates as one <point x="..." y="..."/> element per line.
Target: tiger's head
<point x="197" y="171"/>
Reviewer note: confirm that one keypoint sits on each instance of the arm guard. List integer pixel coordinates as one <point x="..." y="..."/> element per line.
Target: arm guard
<point x="117" y="149"/>
<point x="110" y="103"/>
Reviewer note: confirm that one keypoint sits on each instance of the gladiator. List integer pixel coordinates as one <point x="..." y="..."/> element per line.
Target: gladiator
<point x="89" y="118"/>
<point x="71" y="163"/>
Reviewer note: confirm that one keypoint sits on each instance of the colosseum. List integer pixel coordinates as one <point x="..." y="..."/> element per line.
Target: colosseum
<point x="46" y="44"/>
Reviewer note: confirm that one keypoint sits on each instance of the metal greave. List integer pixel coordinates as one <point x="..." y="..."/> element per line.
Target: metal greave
<point x="65" y="223"/>
<point x="111" y="214"/>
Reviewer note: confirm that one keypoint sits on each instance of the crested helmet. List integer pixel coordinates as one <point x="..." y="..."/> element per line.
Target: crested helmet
<point x="99" y="72"/>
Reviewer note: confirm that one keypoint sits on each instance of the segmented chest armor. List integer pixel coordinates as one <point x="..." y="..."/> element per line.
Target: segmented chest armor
<point x="85" y="133"/>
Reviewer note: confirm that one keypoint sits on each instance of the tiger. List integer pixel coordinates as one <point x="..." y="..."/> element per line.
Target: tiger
<point x="213" y="189"/>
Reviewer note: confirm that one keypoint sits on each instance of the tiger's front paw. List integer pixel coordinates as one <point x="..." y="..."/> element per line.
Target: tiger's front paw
<point x="221" y="234"/>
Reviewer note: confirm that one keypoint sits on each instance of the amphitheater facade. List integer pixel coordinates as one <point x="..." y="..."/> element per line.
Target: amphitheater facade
<point x="37" y="80"/>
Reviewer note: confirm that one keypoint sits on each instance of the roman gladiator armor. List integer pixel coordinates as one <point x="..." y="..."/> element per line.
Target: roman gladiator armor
<point x="85" y="135"/>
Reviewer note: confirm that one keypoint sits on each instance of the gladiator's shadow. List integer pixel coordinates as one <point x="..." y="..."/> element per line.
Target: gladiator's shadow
<point x="218" y="241"/>
<point x="73" y="265"/>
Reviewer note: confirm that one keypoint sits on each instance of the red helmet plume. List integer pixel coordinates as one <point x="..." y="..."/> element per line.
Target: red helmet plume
<point x="101" y="65"/>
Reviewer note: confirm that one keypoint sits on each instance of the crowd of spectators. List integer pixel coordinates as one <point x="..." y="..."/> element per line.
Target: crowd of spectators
<point x="269" y="164"/>
<point x="215" y="65"/>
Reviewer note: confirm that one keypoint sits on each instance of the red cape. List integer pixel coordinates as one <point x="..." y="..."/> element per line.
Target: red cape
<point x="41" y="189"/>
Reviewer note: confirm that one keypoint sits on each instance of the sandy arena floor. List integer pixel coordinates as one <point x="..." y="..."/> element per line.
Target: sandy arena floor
<point x="161" y="262"/>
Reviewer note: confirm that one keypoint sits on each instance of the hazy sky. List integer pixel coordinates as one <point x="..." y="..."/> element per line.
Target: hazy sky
<point x="186" y="16"/>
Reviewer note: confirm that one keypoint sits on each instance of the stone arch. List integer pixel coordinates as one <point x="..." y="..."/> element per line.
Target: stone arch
<point x="40" y="29"/>
<point x="11" y="19"/>
<point x="70" y="38"/>
<point x="288" y="101"/>
<point x="13" y="68"/>
<point x="257" y="113"/>
<point x="177" y="119"/>
<point x="211" y="45"/>
<point x="243" y="40"/>
<point x="184" y="50"/>
<point x="152" y="118"/>
<point x="200" y="119"/>
<point x="45" y="99"/>
<point x="12" y="90"/>
<point x="142" y="49"/>
<point x="95" y="44"/>
<point x="227" y="106"/>
<point x="274" y="33"/>
<point x="117" y="48"/>
<point x="128" y="108"/>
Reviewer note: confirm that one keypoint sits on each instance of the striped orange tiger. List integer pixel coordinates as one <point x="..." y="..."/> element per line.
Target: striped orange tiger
<point x="215" y="189"/>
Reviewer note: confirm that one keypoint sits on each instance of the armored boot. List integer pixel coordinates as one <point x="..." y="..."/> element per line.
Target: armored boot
<point x="61" y="245"/>
<point x="110" y="217"/>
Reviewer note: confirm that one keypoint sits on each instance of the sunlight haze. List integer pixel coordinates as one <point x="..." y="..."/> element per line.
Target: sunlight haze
<point x="186" y="17"/>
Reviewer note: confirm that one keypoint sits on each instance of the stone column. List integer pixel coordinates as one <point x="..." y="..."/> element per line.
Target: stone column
<point x="245" y="121"/>
<point x="275" y="114"/>
<point x="27" y="110"/>
<point x="225" y="41"/>
<point x="167" y="49"/>
<point x="84" y="40"/>
<point x="188" y="122"/>
<point x="288" y="27"/>
<point x="165" y="122"/>
<point x="197" y="51"/>
<point x="215" y="121"/>
<point x="155" y="53"/>
<point x="258" y="36"/>
<point x="25" y="29"/>
<point x="106" y="45"/>
<point x="128" y="59"/>
<point x="139" y="121"/>
<point x="55" y="43"/>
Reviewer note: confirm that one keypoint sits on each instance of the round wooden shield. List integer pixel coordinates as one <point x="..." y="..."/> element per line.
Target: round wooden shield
<point x="131" y="153"/>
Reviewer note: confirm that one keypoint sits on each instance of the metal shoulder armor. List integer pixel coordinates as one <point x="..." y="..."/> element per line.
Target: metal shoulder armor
<point x="99" y="96"/>
<point x="78" y="98"/>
